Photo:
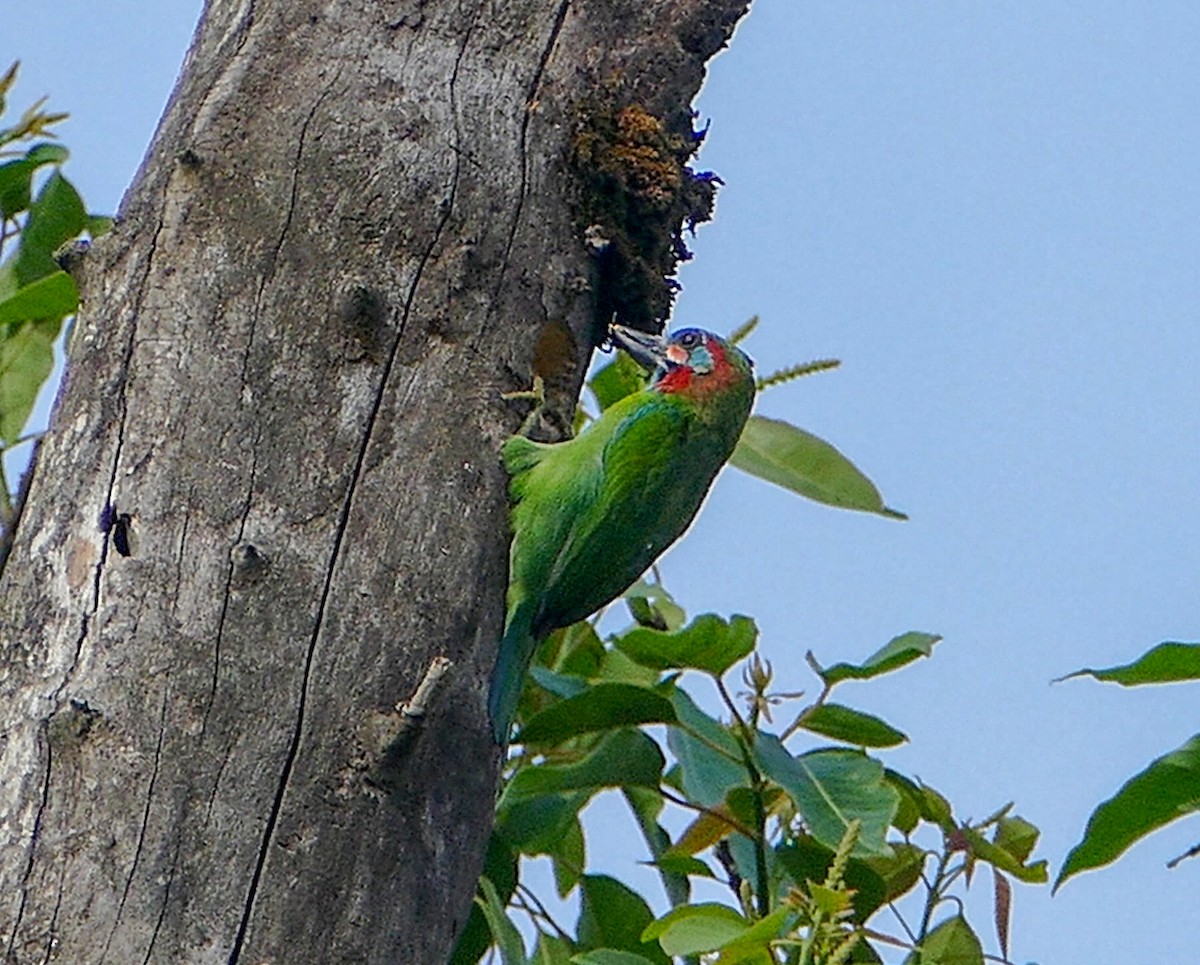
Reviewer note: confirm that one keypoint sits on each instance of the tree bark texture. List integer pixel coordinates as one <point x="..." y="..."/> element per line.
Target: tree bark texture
<point x="357" y="226"/>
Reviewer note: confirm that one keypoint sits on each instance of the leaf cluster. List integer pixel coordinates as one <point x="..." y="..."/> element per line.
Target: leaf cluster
<point x="1166" y="790"/>
<point x="39" y="214"/>
<point x="812" y="837"/>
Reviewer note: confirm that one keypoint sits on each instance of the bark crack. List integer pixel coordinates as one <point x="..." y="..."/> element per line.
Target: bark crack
<point x="51" y="942"/>
<point x="122" y="379"/>
<point x="530" y="105"/>
<point x="187" y="519"/>
<point x="33" y="843"/>
<point x="344" y="517"/>
<point x="137" y="852"/>
<point x="212" y="689"/>
<point x="212" y="797"/>
<point x="162" y="911"/>
<point x="293" y="194"/>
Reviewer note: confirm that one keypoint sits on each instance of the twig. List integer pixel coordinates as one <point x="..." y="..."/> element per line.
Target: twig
<point x="1191" y="852"/>
<point x="527" y="895"/>
<point x="700" y="808"/>
<point x="390" y="736"/>
<point x="412" y="711"/>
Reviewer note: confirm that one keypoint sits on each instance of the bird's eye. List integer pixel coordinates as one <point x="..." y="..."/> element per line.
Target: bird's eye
<point x="689" y="340"/>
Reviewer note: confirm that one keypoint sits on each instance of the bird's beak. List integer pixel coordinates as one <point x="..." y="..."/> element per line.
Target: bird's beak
<point x="649" y="351"/>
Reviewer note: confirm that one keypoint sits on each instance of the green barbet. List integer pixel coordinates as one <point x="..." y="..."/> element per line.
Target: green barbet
<point x="591" y="514"/>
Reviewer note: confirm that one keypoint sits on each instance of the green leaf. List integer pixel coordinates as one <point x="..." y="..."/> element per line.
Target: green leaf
<point x="9" y="285"/>
<point x="753" y="946"/>
<point x="56" y="216"/>
<point x="624" y="757"/>
<point x="507" y="938"/>
<point x="897" y="653"/>
<point x="536" y="825"/>
<point x="26" y="358"/>
<point x="900" y="872"/>
<point x="708" y="643"/>
<point x="617" y="668"/>
<point x="683" y="864"/>
<point x="851" y="726"/>
<point x="52" y="297"/>
<point x="829" y="901"/>
<point x="500" y="868"/>
<point x="951" y="943"/>
<point x="1016" y="836"/>
<point x="580" y="650"/>
<point x="1165" y="664"/>
<point x="604" y="707"/>
<point x="612" y="916"/>
<point x="551" y="950"/>
<point x="646" y="805"/>
<point x="693" y="929"/>
<point x="935" y="808"/>
<point x="621" y="377"/>
<point x="908" y="814"/>
<point x="16" y="177"/>
<point x="739" y="953"/>
<point x="710" y="761"/>
<point x="807" y="860"/>
<point x="610" y="956"/>
<point x="1166" y="790"/>
<point x="998" y="857"/>
<point x="662" y="605"/>
<point x="569" y="857"/>
<point x="831" y="788"/>
<point x="789" y="457"/>
<point x="560" y="684"/>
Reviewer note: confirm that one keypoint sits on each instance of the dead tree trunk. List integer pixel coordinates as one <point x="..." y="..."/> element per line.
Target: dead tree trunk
<point x="359" y="223"/>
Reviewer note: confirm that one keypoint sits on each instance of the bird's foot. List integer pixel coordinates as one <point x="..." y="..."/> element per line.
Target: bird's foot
<point x="536" y="395"/>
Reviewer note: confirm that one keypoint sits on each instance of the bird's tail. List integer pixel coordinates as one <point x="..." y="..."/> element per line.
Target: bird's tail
<point x="508" y="678"/>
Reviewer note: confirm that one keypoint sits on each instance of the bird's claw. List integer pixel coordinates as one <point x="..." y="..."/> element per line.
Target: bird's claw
<point x="537" y="394"/>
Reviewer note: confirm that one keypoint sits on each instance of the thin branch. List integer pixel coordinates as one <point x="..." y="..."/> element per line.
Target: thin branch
<point x="541" y="911"/>
<point x="701" y="809"/>
<point x="1191" y="852"/>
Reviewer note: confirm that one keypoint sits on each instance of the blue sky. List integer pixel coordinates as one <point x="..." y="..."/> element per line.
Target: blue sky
<point x="991" y="214"/>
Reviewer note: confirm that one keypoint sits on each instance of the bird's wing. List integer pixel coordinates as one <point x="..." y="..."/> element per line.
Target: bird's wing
<point x="621" y="512"/>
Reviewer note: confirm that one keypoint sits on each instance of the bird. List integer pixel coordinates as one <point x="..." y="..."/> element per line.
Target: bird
<point x="591" y="514"/>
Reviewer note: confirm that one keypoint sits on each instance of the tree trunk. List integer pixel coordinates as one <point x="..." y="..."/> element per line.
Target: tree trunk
<point x="358" y="224"/>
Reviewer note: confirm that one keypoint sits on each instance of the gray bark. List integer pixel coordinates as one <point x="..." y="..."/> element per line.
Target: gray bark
<point x="353" y="227"/>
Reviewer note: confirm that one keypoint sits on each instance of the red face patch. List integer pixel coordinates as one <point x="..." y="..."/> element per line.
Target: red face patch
<point x="684" y="379"/>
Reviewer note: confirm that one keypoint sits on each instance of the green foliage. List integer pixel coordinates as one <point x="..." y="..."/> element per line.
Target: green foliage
<point x="812" y="840"/>
<point x="1164" y="791"/>
<point x="852" y="726"/>
<point x="707" y="643"/>
<point x="1167" y="663"/>
<point x="797" y="460"/>
<point x="898" y="652"/>
<point x="38" y="215"/>
<point x="952" y="943"/>
<point x="26" y="358"/>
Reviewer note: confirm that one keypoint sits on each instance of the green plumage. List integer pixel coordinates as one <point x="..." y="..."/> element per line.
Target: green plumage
<point x="591" y="515"/>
